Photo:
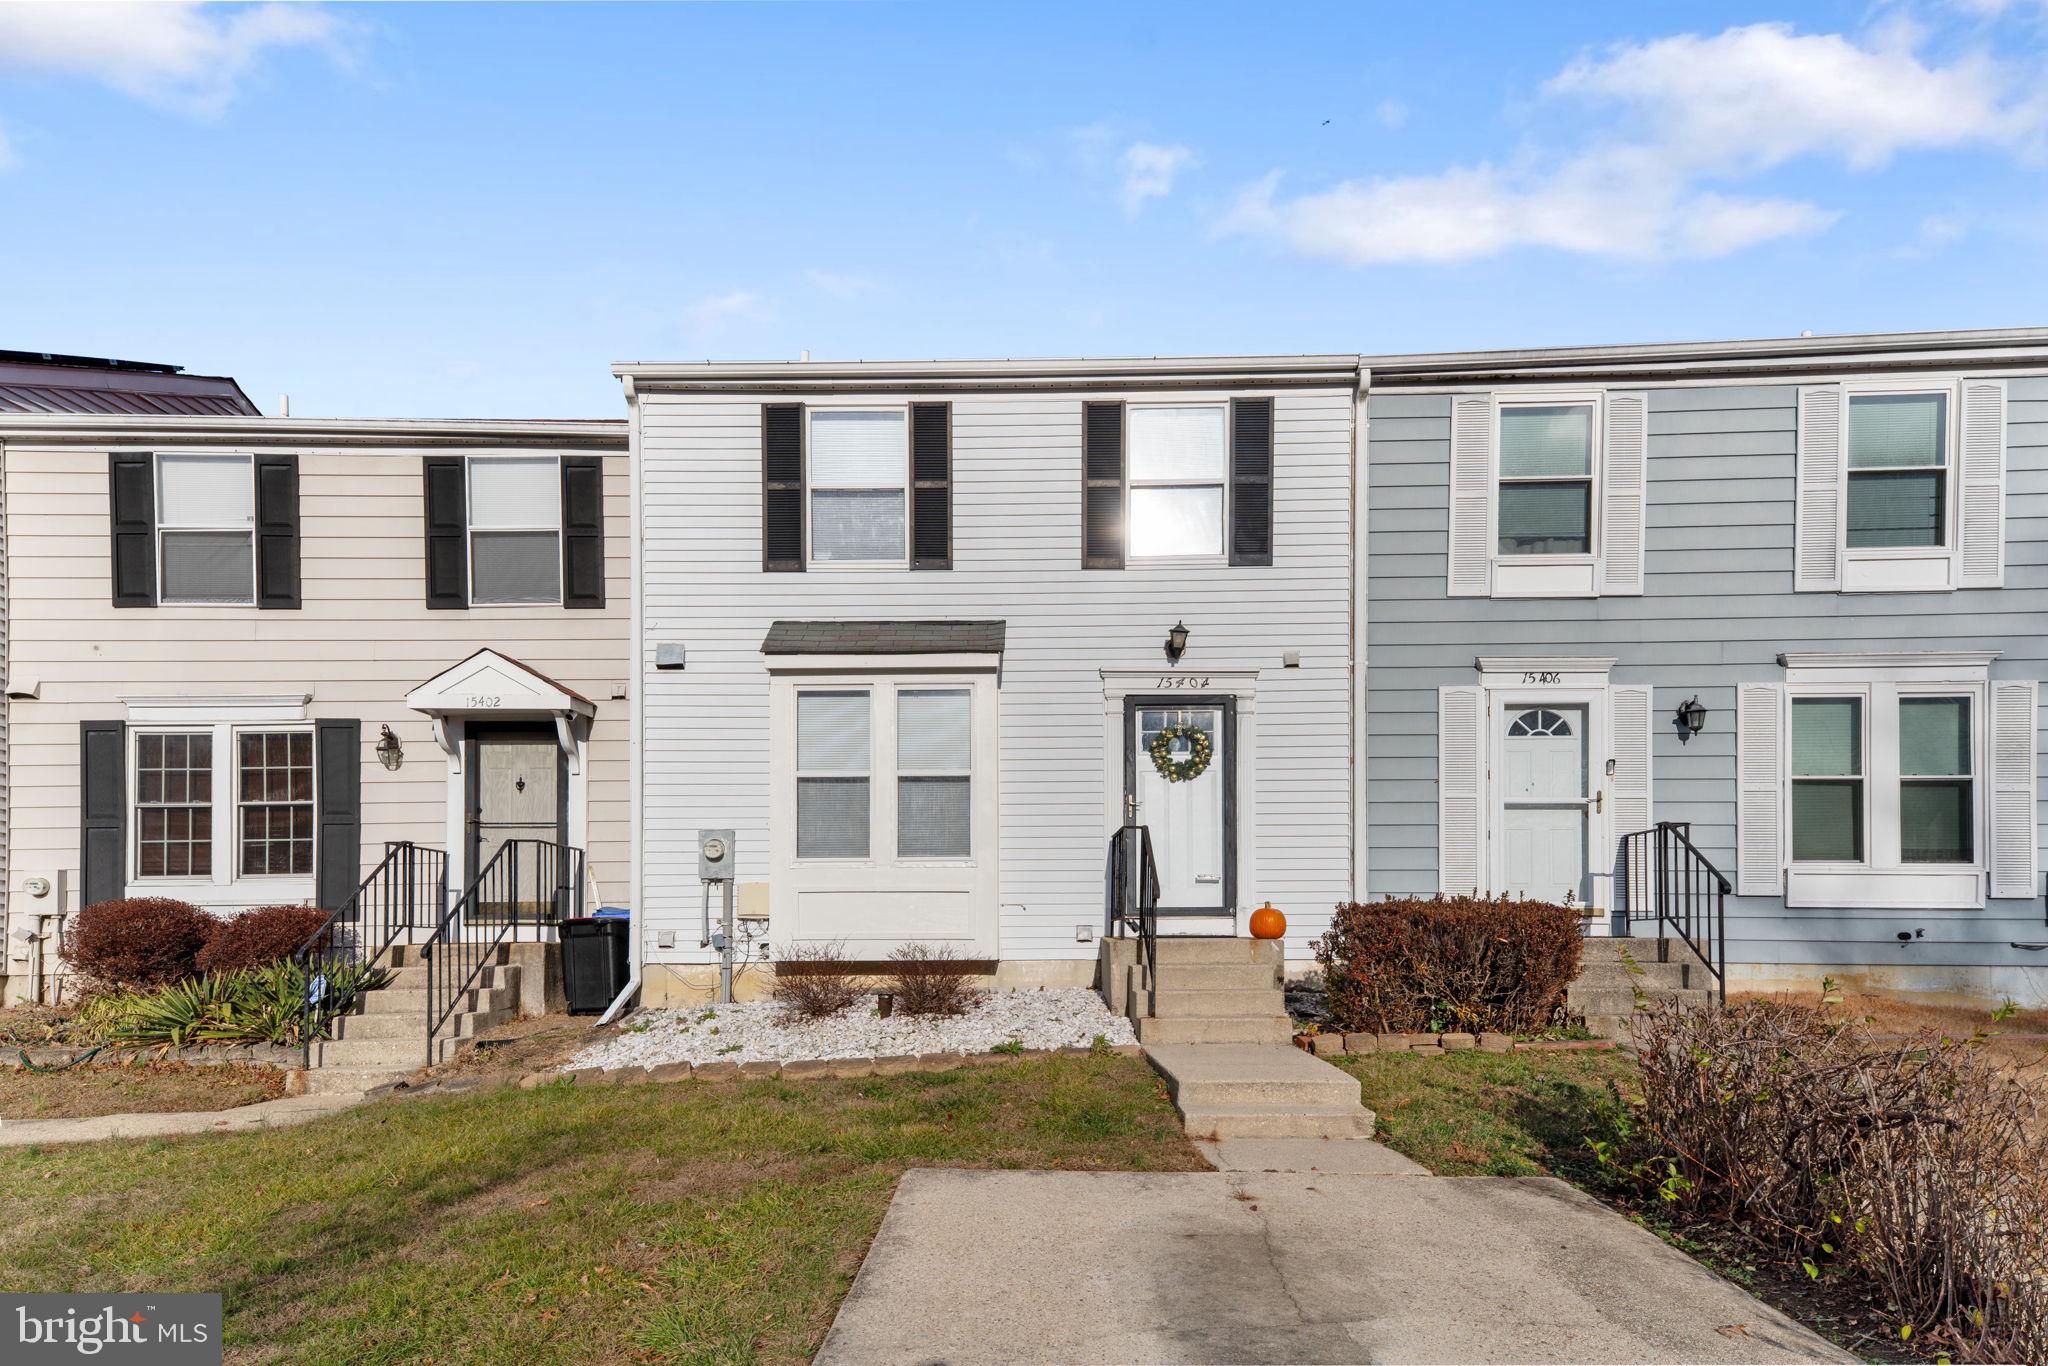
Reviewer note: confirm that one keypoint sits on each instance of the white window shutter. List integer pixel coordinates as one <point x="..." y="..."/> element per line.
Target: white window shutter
<point x="1760" y="794"/>
<point x="1629" y="710"/>
<point x="1625" y="477"/>
<point x="1982" y="506"/>
<point x="1460" y="786"/>
<point x="1823" y="482"/>
<point x="2013" y="836"/>
<point x="1471" y="563"/>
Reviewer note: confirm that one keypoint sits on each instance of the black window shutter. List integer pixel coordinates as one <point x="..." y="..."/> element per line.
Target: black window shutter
<point x="131" y="497"/>
<point x="102" y="811"/>
<point x="447" y="532"/>
<point x="1102" y="486"/>
<point x="338" y="810"/>
<point x="582" y="531"/>
<point x="931" y="479"/>
<point x="782" y="487"/>
<point x="1251" y="481"/>
<point x="277" y="531"/>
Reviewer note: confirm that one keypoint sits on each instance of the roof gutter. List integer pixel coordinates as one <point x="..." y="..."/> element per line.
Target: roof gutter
<point x="1156" y="372"/>
<point x="117" y="428"/>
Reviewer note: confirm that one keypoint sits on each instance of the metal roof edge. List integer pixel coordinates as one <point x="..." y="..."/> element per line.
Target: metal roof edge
<point x="97" y="428"/>
<point x="1075" y="371"/>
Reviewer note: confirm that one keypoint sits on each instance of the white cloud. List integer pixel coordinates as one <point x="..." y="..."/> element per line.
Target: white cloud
<point x="1391" y="114"/>
<point x="1699" y="112"/>
<point x="714" y="313"/>
<point x="840" y="286"/>
<point x="190" y="57"/>
<point x="1149" y="170"/>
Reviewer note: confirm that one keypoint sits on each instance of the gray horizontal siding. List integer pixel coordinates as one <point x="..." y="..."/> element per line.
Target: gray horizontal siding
<point x="1717" y="608"/>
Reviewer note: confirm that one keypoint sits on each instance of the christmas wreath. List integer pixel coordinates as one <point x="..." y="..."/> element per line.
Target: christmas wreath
<point x="1200" y="751"/>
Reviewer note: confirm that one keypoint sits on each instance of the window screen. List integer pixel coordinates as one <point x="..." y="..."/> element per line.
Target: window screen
<point x="174" y="804"/>
<point x="833" y="758"/>
<point x="1827" y="779"/>
<point x="859" y="464"/>
<point x="1546" y="480"/>
<point x="934" y="782"/>
<point x="515" y="530"/>
<point x="1898" y="475"/>
<point x="1937" y="816"/>
<point x="206" y="528"/>
<point x="1178" y="457"/>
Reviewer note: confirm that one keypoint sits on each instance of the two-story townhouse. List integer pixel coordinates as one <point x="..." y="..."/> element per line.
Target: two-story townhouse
<point x="920" y="634"/>
<point x="248" y="656"/>
<point x="1786" y="594"/>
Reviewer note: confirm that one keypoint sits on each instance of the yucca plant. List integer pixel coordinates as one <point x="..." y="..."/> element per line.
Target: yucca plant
<point x="249" y="1005"/>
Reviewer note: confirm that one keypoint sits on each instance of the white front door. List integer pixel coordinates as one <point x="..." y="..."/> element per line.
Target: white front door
<point x="1546" y="802"/>
<point x="1187" y="817"/>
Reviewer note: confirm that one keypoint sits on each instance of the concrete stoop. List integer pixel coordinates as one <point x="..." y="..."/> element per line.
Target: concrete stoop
<point x="1618" y="976"/>
<point x="1202" y="990"/>
<point x="1236" y="1091"/>
<point x="385" y="1036"/>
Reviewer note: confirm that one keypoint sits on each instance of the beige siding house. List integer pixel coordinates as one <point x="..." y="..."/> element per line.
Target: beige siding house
<point x="246" y="654"/>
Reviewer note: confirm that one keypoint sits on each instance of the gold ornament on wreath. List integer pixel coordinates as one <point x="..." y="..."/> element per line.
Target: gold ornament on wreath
<point x="1201" y="749"/>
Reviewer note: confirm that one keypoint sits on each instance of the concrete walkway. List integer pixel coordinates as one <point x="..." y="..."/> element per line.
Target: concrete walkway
<point x="265" y="1114"/>
<point x="1301" y="1263"/>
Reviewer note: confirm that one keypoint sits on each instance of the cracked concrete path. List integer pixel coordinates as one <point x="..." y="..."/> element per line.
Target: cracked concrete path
<point x="264" y="1114"/>
<point x="1313" y="1265"/>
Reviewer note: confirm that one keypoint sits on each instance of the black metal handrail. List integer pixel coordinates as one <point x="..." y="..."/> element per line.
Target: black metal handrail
<point x="1132" y="891"/>
<point x="526" y="882"/>
<point x="1665" y="878"/>
<point x="407" y="891"/>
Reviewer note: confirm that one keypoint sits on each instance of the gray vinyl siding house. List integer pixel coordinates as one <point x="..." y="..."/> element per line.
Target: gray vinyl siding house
<point x="1743" y="594"/>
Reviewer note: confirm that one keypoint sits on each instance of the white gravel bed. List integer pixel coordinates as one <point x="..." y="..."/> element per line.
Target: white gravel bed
<point x="755" y="1031"/>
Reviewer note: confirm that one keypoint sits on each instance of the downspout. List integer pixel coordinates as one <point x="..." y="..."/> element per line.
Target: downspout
<point x="635" y="678"/>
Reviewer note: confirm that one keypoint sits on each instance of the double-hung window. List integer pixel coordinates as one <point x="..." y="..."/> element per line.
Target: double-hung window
<point x="934" y="772"/>
<point x="1937" y="789"/>
<point x="1179" y="461"/>
<point x="859" y="475"/>
<point x="1827" y="780"/>
<point x="834" y="760"/>
<point x="206" y="529"/>
<point x="1545" y="502"/>
<point x="515" y="530"/>
<point x="211" y="799"/>
<point x="1898" y="470"/>
<point x="929" y="815"/>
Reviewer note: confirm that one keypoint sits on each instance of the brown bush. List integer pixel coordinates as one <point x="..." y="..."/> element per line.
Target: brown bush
<point x="813" y="981"/>
<point x="262" y="935"/>
<point x="1415" y="964"/>
<point x="930" y="979"/>
<point x="144" y="941"/>
<point x="1905" y="1163"/>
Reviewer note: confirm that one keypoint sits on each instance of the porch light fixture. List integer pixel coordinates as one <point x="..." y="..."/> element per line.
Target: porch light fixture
<point x="389" y="752"/>
<point x="1177" y="641"/>
<point x="1692" y="718"/>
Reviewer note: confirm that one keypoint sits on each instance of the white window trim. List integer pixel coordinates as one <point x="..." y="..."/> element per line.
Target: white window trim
<point x="812" y="486"/>
<point x="798" y="772"/>
<point x="898" y="773"/>
<point x="225" y="885"/>
<point x="156" y="474"/>
<point x="1882" y="880"/>
<point x="469" y="529"/>
<point x="1222" y="483"/>
<point x="1548" y="576"/>
<point x="1906" y="569"/>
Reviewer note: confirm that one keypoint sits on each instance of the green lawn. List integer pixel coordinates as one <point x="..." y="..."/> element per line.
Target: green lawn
<point x="699" y="1222"/>
<point x="1491" y="1114"/>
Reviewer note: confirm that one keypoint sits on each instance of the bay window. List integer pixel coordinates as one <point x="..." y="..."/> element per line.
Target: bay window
<point x="833" y="758"/>
<point x="934" y="772"/>
<point x="859" y="470"/>
<point x="1179" y="462"/>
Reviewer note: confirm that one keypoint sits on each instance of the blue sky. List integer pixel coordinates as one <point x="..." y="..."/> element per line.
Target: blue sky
<point x="472" y="210"/>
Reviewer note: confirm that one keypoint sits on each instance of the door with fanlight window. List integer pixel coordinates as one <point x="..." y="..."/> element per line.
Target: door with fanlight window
<point x="1548" y="801"/>
<point x="1179" y="765"/>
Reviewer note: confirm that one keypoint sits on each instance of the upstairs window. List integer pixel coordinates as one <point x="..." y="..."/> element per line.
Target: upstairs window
<point x="1898" y="470"/>
<point x="1178" y="464"/>
<point x="1546" y="479"/>
<point x="206" y="530"/>
<point x="515" y="530"/>
<point x="859" y="471"/>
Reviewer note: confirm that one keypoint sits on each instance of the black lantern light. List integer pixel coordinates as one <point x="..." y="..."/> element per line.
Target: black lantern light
<point x="1177" y="641"/>
<point x="389" y="752"/>
<point x="1692" y="718"/>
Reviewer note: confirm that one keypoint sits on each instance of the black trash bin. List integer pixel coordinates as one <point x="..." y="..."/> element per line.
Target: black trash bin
<point x="595" y="953"/>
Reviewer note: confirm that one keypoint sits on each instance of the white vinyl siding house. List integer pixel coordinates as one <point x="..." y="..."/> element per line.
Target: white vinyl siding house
<point x="966" y="798"/>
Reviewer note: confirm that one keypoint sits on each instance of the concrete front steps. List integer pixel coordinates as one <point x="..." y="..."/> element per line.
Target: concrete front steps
<point x="1612" y="971"/>
<point x="385" y="1037"/>
<point x="1201" y="991"/>
<point x="1233" y="1091"/>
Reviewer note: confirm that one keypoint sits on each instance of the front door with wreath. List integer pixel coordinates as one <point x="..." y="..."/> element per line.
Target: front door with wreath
<point x="1178" y="768"/>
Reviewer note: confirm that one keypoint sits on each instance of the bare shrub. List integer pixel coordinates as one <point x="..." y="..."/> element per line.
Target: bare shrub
<point x="1414" y="964"/>
<point x="1904" y="1162"/>
<point x="813" y="981"/>
<point x="930" y="979"/>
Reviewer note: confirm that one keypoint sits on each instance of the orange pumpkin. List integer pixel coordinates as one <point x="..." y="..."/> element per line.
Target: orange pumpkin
<point x="1268" y="923"/>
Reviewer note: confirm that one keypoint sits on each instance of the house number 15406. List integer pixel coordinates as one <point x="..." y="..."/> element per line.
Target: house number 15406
<point x="1544" y="677"/>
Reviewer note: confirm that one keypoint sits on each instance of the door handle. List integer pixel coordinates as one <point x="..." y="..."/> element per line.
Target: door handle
<point x="1599" y="799"/>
